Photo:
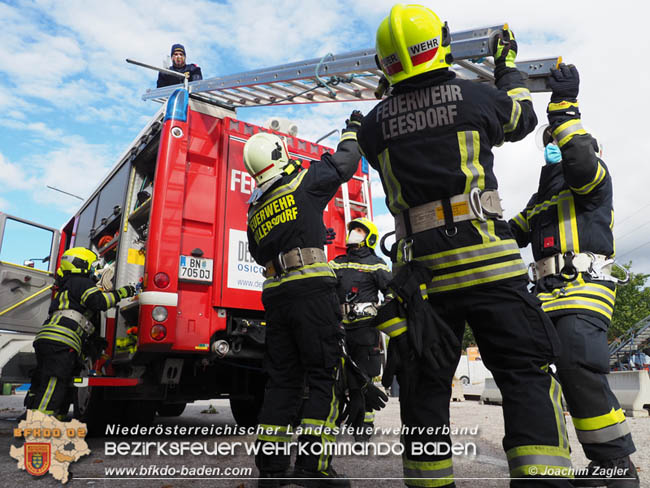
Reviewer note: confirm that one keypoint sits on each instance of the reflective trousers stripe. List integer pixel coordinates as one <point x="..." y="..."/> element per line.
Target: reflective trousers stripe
<point x="369" y="417"/>
<point x="601" y="436"/>
<point x="47" y="396"/>
<point x="274" y="433"/>
<point x="428" y="473"/>
<point x="316" y="270"/>
<point x="533" y="460"/>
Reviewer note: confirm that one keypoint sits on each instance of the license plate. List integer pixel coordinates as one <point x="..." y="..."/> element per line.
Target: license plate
<point x="195" y="269"/>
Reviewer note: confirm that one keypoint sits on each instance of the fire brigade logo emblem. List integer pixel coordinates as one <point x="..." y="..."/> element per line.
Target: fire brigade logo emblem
<point x="37" y="458"/>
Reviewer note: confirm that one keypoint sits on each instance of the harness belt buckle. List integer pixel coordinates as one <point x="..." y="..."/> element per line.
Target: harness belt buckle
<point x="407" y="250"/>
<point x="566" y="268"/>
<point x="475" y="204"/>
<point x="532" y="273"/>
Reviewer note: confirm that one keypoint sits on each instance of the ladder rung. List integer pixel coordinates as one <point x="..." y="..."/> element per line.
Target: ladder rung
<point x="258" y="87"/>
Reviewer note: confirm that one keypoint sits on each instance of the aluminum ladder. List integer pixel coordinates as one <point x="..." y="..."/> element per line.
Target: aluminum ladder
<point x="352" y="76"/>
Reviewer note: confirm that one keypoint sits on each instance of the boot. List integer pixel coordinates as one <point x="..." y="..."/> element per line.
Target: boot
<point x="613" y="473"/>
<point x="319" y="479"/>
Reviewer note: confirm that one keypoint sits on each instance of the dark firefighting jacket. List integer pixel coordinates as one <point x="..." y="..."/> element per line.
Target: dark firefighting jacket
<point x="432" y="139"/>
<point x="571" y="211"/>
<point x="78" y="293"/>
<point x="361" y="275"/>
<point x="290" y="215"/>
<point x="167" y="80"/>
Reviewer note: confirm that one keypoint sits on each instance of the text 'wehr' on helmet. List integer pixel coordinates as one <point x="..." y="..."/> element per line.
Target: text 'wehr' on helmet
<point x="410" y="41"/>
<point x="368" y="225"/>
<point x="265" y="156"/>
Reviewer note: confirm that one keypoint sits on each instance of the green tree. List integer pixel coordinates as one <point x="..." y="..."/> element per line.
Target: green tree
<point x="632" y="302"/>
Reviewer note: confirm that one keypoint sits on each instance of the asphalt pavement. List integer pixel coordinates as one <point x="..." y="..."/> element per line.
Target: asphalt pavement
<point x="480" y="461"/>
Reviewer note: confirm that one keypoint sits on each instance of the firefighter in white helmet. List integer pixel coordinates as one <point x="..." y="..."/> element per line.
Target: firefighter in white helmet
<point x="431" y="141"/>
<point x="286" y="235"/>
<point x="361" y="274"/>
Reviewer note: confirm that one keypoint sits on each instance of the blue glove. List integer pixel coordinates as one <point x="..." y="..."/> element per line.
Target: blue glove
<point x="552" y="154"/>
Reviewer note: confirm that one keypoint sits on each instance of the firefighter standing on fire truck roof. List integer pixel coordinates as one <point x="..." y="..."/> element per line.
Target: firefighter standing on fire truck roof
<point x="286" y="235"/>
<point x="569" y="224"/>
<point x="68" y="333"/>
<point x="431" y="142"/>
<point x="361" y="274"/>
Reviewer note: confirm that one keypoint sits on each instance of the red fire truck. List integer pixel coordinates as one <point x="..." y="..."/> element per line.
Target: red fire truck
<point x="171" y="216"/>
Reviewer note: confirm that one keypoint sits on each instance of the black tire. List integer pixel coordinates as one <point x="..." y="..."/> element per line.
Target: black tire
<point x="171" y="409"/>
<point x="246" y="407"/>
<point x="464" y="380"/>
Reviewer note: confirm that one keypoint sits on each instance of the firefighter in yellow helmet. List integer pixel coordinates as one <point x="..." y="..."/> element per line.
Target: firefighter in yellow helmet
<point x="431" y="142"/>
<point x="286" y="236"/>
<point x="361" y="275"/>
<point x="568" y="224"/>
<point x="70" y="331"/>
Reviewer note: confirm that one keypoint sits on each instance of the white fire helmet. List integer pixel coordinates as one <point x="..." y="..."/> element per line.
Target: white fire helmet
<point x="265" y="156"/>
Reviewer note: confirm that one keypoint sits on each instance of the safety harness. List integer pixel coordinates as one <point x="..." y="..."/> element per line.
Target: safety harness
<point x="475" y="205"/>
<point x="569" y="264"/>
<point x="295" y="258"/>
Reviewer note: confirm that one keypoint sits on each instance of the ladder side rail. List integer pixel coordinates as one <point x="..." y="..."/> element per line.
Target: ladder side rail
<point x="346" y="204"/>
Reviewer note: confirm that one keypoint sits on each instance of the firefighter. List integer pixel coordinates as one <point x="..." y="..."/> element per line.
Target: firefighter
<point x="361" y="274"/>
<point x="286" y="235"/>
<point x="431" y="141"/>
<point x="569" y="224"/>
<point x="192" y="71"/>
<point x="69" y="333"/>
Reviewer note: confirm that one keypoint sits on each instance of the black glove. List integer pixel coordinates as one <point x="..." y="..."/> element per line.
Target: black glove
<point x="125" y="291"/>
<point x="353" y="124"/>
<point x="505" y="49"/>
<point x="374" y="397"/>
<point x="355" y="407"/>
<point x="330" y="235"/>
<point x="565" y="83"/>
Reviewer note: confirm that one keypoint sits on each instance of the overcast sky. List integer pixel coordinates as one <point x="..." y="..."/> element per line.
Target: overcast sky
<point x="70" y="104"/>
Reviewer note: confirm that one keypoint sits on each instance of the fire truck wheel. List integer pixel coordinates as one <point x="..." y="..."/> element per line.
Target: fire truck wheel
<point x="171" y="409"/>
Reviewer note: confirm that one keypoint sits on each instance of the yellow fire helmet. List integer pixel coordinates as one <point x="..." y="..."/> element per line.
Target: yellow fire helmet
<point x="265" y="156"/>
<point x="367" y="225"/>
<point x="76" y="260"/>
<point x="412" y="40"/>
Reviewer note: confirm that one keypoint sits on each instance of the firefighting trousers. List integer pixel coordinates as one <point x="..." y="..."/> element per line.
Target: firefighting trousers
<point x="50" y="391"/>
<point x="597" y="416"/>
<point x="517" y="343"/>
<point x="302" y="344"/>
<point x="362" y="344"/>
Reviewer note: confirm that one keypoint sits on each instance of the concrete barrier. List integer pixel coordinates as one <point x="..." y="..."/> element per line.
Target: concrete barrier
<point x="491" y="392"/>
<point x="457" y="393"/>
<point x="632" y="389"/>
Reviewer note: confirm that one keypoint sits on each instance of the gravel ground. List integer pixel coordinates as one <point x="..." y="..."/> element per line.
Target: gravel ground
<point x="488" y="468"/>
